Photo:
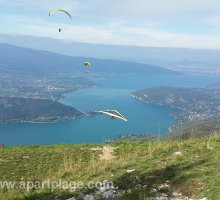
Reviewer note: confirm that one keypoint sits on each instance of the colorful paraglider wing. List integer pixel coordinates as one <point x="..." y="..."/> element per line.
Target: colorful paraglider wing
<point x="59" y="10"/>
<point x="113" y="113"/>
<point x="87" y="64"/>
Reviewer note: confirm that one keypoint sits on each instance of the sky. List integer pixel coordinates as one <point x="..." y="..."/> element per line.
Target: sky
<point x="148" y="23"/>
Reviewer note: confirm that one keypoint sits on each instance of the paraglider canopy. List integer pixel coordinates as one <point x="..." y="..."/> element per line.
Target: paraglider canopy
<point x="87" y="64"/>
<point x="113" y="114"/>
<point x="59" y="10"/>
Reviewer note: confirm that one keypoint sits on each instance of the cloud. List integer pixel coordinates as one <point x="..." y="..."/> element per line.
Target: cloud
<point x="124" y="22"/>
<point x="121" y="36"/>
<point x="126" y="10"/>
<point x="147" y="10"/>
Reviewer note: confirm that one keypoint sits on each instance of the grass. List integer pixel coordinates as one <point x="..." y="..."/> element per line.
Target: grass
<point x="195" y="174"/>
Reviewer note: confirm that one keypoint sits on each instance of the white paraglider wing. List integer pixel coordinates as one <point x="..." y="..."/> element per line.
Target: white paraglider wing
<point x="59" y="10"/>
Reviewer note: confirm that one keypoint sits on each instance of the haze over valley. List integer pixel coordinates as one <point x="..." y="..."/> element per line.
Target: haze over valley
<point x="204" y="61"/>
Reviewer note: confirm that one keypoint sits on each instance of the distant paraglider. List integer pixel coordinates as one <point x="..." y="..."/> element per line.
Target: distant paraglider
<point x="113" y="114"/>
<point x="87" y="64"/>
<point x="59" y="10"/>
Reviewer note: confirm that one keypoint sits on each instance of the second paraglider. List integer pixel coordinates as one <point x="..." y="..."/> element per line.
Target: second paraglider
<point x="87" y="64"/>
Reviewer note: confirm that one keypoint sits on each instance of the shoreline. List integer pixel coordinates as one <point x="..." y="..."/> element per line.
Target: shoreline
<point x="178" y="108"/>
<point x="41" y="122"/>
<point x="169" y="130"/>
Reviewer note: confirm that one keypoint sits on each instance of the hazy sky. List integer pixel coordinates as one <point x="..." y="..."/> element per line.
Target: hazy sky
<point x="160" y="23"/>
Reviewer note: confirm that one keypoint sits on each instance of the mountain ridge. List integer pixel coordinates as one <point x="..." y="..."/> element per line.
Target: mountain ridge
<point x="25" y="58"/>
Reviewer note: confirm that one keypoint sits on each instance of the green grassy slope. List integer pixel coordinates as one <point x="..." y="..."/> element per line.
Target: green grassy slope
<point x="195" y="173"/>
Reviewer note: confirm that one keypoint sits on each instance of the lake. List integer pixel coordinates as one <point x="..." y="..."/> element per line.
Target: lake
<point x="112" y="92"/>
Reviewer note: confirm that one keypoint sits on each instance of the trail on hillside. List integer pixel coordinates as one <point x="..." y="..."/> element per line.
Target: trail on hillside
<point x="107" y="152"/>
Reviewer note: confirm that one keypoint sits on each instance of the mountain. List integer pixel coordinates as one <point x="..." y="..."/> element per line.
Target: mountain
<point x="14" y="109"/>
<point x="197" y="103"/>
<point x="158" y="55"/>
<point x="196" y="129"/>
<point x="36" y="62"/>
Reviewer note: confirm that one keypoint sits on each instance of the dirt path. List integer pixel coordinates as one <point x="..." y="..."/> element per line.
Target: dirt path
<point x="107" y="152"/>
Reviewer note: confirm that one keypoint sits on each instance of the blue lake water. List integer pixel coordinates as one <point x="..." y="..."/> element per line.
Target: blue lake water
<point x="113" y="92"/>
